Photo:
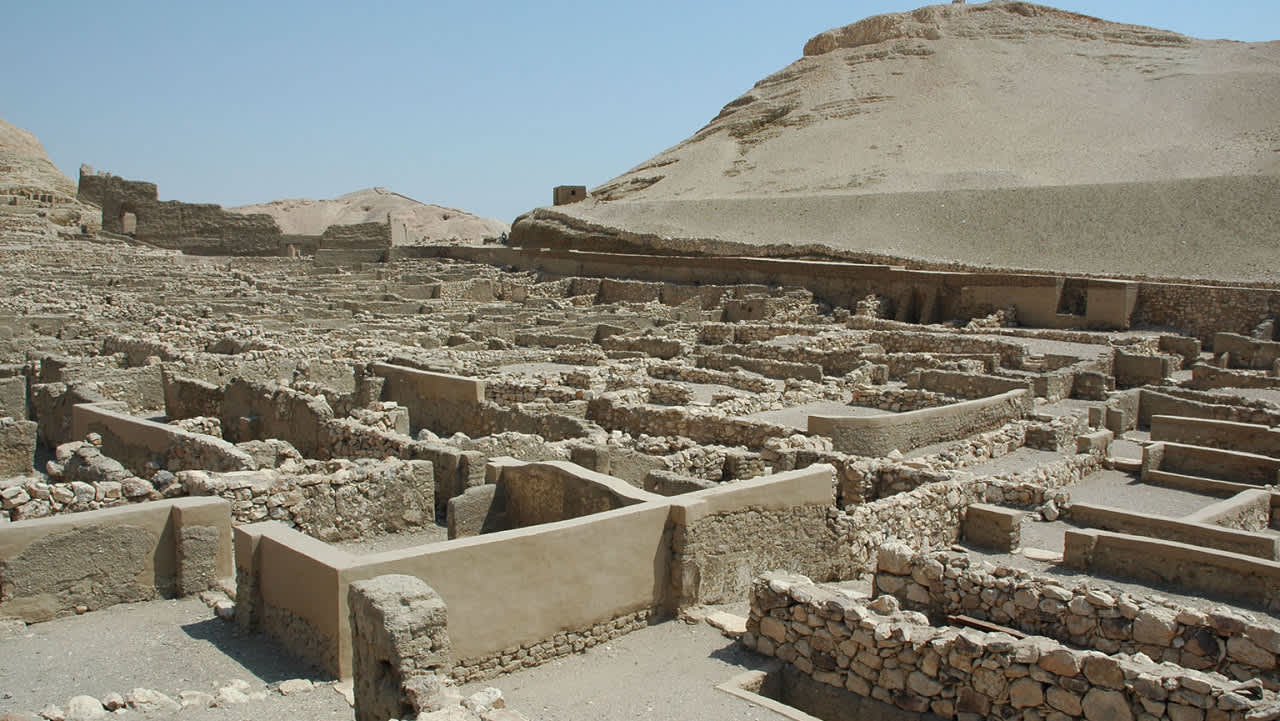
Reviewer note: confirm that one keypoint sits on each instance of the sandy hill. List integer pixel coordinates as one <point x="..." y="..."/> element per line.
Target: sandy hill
<point x="36" y="200"/>
<point x="26" y="168"/>
<point x="422" y="221"/>
<point x="1002" y="134"/>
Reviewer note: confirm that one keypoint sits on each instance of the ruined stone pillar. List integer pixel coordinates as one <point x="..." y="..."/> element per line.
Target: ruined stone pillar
<point x="399" y="633"/>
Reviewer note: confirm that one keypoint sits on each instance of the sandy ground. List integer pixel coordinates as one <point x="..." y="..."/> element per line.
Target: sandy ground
<point x="167" y="646"/>
<point x="1216" y="228"/>
<point x="1122" y="490"/>
<point x="435" y="533"/>
<point x="666" y="671"/>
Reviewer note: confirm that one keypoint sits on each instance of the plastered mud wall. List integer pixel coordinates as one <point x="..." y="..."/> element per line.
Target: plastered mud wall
<point x="57" y="566"/>
<point x="612" y="570"/>
<point x="1224" y="435"/>
<point x="1192" y="568"/>
<point x="879" y="434"/>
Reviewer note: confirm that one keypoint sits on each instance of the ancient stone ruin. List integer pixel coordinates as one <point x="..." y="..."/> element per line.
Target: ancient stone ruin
<point x="902" y="489"/>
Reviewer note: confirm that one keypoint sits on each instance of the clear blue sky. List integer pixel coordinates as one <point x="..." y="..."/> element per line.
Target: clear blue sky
<point x="482" y="106"/>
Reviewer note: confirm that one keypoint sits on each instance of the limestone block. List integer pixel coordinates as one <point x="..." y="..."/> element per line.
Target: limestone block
<point x="993" y="527"/>
<point x="399" y="631"/>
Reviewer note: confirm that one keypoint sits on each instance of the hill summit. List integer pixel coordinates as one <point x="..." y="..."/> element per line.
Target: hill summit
<point x="422" y="221"/>
<point x="973" y="134"/>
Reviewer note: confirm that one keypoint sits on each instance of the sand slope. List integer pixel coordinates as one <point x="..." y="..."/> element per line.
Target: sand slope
<point x="977" y="100"/>
<point x="423" y="221"/>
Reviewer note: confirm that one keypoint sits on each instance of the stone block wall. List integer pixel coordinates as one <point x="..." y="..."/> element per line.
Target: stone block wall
<point x="874" y="649"/>
<point x="717" y="537"/>
<point x="1246" y="352"/>
<point x="1082" y="613"/>
<point x="400" y="637"/>
<point x="1206" y="377"/>
<point x="931" y="515"/>
<point x="965" y="385"/>
<point x="546" y="492"/>
<point x="17" y="447"/>
<point x="612" y="412"/>
<point x="336" y="500"/>
<point x="58" y="566"/>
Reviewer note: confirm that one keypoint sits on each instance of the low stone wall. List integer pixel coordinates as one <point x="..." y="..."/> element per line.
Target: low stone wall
<point x="873" y="649"/>
<point x="675" y="371"/>
<point x="878" y="435"/>
<point x="1205" y="376"/>
<point x="613" y="413"/>
<point x="51" y="405"/>
<point x="1082" y="613"/>
<point x="764" y="366"/>
<point x="861" y="479"/>
<point x="909" y="341"/>
<point x="898" y="400"/>
<point x="256" y="411"/>
<point x="336" y="500"/>
<point x="138" y="351"/>
<point x="17" y="447"/>
<point x="536" y="493"/>
<point x="144" y="446"/>
<point x="1137" y="369"/>
<point x="1245" y="352"/>
<point x="1245" y="511"/>
<point x="437" y="401"/>
<point x="966" y="385"/>
<point x="932" y="515"/>
<point x="58" y="566"/>
<point x="1181" y="530"/>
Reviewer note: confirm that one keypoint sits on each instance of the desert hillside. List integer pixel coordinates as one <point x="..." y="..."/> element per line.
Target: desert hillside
<point x="932" y="135"/>
<point x="37" y="201"/>
<point x="422" y="221"/>
<point x="25" y="168"/>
